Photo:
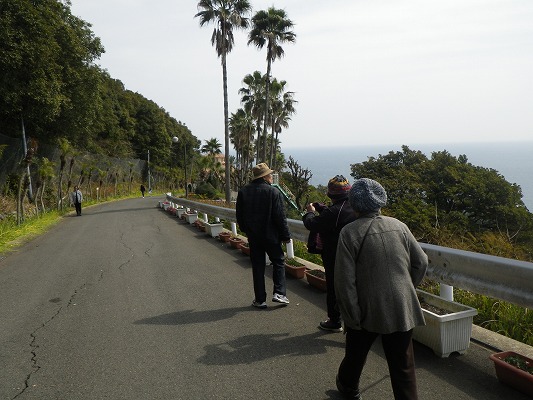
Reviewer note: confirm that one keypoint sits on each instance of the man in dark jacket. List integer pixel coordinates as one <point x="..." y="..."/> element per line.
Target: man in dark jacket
<point x="328" y="223"/>
<point x="261" y="215"/>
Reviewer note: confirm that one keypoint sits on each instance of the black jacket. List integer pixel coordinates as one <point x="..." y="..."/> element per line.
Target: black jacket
<point x="261" y="214"/>
<point x="329" y="223"/>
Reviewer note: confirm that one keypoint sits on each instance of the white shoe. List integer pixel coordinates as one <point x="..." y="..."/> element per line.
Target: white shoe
<point x="279" y="298"/>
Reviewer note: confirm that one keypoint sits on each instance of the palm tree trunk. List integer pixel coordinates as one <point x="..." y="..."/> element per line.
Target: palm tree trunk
<point x="267" y="94"/>
<point x="272" y="144"/>
<point x="275" y="159"/>
<point x="226" y="128"/>
<point x="43" y="209"/>
<point x="20" y="197"/>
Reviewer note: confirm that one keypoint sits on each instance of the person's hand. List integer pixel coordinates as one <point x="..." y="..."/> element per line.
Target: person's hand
<point x="310" y="207"/>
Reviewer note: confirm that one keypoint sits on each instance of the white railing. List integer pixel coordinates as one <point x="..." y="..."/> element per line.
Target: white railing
<point x="497" y="277"/>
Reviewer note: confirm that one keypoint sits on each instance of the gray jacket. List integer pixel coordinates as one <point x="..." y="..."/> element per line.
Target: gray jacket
<point x="74" y="194"/>
<point x="375" y="284"/>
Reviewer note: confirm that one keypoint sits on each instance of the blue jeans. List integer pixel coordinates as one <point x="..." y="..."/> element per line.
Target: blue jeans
<point x="258" y="249"/>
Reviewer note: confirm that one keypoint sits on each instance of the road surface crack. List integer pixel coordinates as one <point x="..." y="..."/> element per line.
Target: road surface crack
<point x="34" y="346"/>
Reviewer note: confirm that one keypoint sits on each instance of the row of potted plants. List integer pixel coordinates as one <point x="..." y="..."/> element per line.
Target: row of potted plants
<point x="448" y="324"/>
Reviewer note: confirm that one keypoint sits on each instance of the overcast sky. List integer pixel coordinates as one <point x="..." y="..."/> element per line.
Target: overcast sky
<point x="363" y="71"/>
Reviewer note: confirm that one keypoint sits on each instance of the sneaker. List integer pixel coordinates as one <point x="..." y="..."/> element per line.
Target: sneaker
<point x="331" y="326"/>
<point x="259" y="305"/>
<point x="279" y="298"/>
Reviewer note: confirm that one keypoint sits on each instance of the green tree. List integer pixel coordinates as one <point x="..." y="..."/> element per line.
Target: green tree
<point x="211" y="147"/>
<point x="282" y="108"/>
<point x="48" y="76"/>
<point x="297" y="179"/>
<point x="253" y="100"/>
<point x="241" y="135"/>
<point x="271" y="28"/>
<point x="225" y="14"/>
<point x="45" y="172"/>
<point x="446" y="200"/>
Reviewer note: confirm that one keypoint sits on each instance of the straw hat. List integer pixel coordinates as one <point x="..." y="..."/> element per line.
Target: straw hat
<point x="261" y="170"/>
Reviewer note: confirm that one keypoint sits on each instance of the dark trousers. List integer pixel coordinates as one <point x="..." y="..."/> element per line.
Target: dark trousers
<point x="398" y="349"/>
<point x="78" y="208"/>
<point x="331" y="301"/>
<point x="258" y="249"/>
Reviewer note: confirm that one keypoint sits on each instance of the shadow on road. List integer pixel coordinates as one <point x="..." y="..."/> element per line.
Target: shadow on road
<point x="265" y="346"/>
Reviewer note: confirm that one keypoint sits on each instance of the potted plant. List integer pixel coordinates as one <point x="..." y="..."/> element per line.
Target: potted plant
<point x="200" y="225"/>
<point x="515" y="370"/>
<point x="190" y="217"/>
<point x="295" y="268"/>
<point x="245" y="248"/>
<point x="214" y="228"/>
<point x="235" y="242"/>
<point x="448" y="325"/>
<point x="224" y="236"/>
<point x="316" y="278"/>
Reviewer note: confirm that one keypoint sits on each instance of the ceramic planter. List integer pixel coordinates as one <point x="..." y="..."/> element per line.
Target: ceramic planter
<point x="316" y="281"/>
<point x="511" y="375"/>
<point x="445" y="334"/>
<point x="199" y="224"/>
<point x="191" y="217"/>
<point x="180" y="212"/>
<point x="245" y="248"/>
<point x="235" y="242"/>
<point x="224" y="236"/>
<point x="214" y="229"/>
<point x="297" y="272"/>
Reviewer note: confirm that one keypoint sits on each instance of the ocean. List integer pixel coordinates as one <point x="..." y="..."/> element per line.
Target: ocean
<point x="513" y="160"/>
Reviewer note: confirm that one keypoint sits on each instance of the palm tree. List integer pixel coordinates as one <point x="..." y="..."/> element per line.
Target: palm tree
<point x="211" y="147"/>
<point x="225" y="14"/>
<point x="253" y="101"/>
<point x="282" y="108"/>
<point x="270" y="28"/>
<point x="241" y="133"/>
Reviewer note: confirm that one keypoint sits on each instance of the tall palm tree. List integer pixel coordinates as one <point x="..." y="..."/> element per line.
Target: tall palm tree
<point x="225" y="15"/>
<point x="253" y="101"/>
<point x="241" y="134"/>
<point x="271" y="28"/>
<point x="282" y="108"/>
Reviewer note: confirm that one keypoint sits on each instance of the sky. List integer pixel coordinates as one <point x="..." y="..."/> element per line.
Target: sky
<point x="363" y="71"/>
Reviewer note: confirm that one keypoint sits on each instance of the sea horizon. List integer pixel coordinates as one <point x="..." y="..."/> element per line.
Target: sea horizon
<point x="512" y="160"/>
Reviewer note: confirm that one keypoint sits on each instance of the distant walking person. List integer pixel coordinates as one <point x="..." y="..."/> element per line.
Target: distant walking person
<point x="379" y="264"/>
<point x="261" y="215"/>
<point x="328" y="223"/>
<point x="76" y="198"/>
<point x="143" y="189"/>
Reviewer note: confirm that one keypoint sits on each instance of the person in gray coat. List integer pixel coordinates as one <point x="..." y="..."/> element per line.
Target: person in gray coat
<point x="76" y="198"/>
<point x="379" y="263"/>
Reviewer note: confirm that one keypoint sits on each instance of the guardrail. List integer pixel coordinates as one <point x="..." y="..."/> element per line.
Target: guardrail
<point x="497" y="277"/>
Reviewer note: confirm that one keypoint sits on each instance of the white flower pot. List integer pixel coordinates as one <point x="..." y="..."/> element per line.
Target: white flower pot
<point x="190" y="218"/>
<point x="214" y="229"/>
<point x="445" y="334"/>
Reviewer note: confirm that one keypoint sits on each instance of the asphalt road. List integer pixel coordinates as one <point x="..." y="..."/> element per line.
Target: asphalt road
<point x="126" y="302"/>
